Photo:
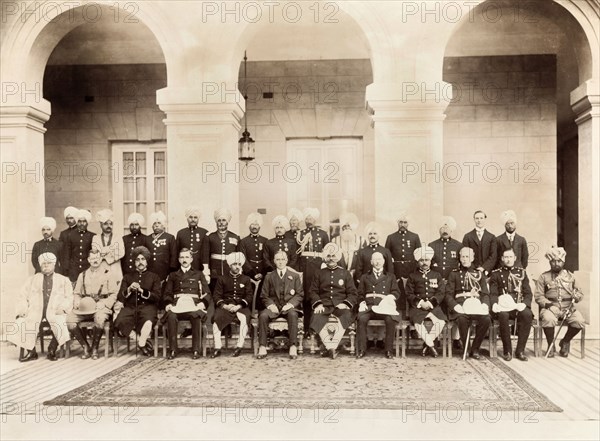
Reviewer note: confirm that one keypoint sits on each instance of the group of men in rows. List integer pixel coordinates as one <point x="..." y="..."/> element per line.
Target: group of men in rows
<point x="298" y="273"/>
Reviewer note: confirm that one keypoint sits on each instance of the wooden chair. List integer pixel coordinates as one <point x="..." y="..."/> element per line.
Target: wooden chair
<point x="408" y="327"/>
<point x="43" y="331"/>
<point x="87" y="326"/>
<point x="495" y="332"/>
<point x="540" y="337"/>
<point x="452" y="324"/>
<point x="350" y="334"/>
<point x="160" y="333"/>
<point x="379" y="333"/>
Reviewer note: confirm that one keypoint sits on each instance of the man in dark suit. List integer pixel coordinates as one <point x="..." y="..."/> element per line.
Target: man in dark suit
<point x="282" y="295"/>
<point x="48" y="244"/>
<point x="511" y="240"/>
<point x="483" y="243"/>
<point x="78" y="246"/>
<point x="70" y="213"/>
<point x="133" y="240"/>
<point x="193" y="238"/>
<point x="217" y="246"/>
<point x="445" y="249"/>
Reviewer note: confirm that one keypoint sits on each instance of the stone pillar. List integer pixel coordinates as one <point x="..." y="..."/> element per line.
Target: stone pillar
<point x="585" y="101"/>
<point x="202" y="157"/>
<point x="22" y="196"/>
<point x="408" y="157"/>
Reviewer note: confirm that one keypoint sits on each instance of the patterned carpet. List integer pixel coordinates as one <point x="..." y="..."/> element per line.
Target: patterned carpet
<point x="369" y="383"/>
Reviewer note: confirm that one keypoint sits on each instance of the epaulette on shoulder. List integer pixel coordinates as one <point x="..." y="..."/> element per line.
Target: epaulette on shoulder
<point x="455" y="270"/>
<point x="496" y="270"/>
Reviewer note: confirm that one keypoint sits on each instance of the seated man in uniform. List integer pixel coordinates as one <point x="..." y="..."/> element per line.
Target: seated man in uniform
<point x="424" y="292"/>
<point x="186" y="297"/>
<point x="282" y="295"/>
<point x="332" y="294"/>
<point x="138" y="300"/>
<point x="467" y="297"/>
<point x="45" y="296"/>
<point x="233" y="298"/>
<point x="374" y="288"/>
<point x="95" y="294"/>
<point x="556" y="294"/>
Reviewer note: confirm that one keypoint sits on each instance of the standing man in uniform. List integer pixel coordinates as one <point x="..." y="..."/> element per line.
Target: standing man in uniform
<point x="483" y="243"/>
<point x="253" y="248"/>
<point x="311" y="241"/>
<point x="194" y="238"/>
<point x="48" y="244"/>
<point x="78" y="246"/>
<point x="348" y="241"/>
<point x="111" y="248"/>
<point x="556" y="295"/>
<point x="131" y="241"/>
<point x="70" y="213"/>
<point x="363" y="257"/>
<point x="402" y="245"/>
<point x="218" y="245"/>
<point x="511" y="297"/>
<point x="445" y="249"/>
<point x="281" y="243"/>
<point x="162" y="247"/>
<point x="511" y="240"/>
<point x="295" y="217"/>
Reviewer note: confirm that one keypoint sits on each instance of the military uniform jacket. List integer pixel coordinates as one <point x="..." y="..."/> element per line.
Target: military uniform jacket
<point x="64" y="234"/>
<point x="372" y="290"/>
<point x="77" y="250"/>
<point x="424" y="286"/>
<point x="234" y="290"/>
<point x="51" y="245"/>
<point x="556" y="289"/>
<point x="131" y="241"/>
<point x="312" y="249"/>
<point x="191" y="282"/>
<point x="278" y="292"/>
<point x="98" y="285"/>
<point x="519" y="246"/>
<point x="194" y="240"/>
<point x="402" y="247"/>
<point x="163" y="250"/>
<point x="330" y="287"/>
<point x="151" y="291"/>
<point x="253" y="248"/>
<point x="446" y="256"/>
<point x="289" y="234"/>
<point x="484" y="249"/>
<point x="503" y="281"/>
<point x="363" y="260"/>
<point x="461" y="281"/>
<point x="281" y="243"/>
<point x="217" y="249"/>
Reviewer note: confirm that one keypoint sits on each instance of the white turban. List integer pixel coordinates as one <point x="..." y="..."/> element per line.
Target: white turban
<point x="46" y="257"/>
<point x="222" y="213"/>
<point x="84" y="214"/>
<point x="236" y="258"/>
<point x="332" y="249"/>
<point x="70" y="211"/>
<point x="135" y="218"/>
<point x="295" y="213"/>
<point x="424" y="252"/>
<point x="192" y="211"/>
<point x="104" y="215"/>
<point x="508" y="216"/>
<point x="556" y="253"/>
<point x="314" y="212"/>
<point x="448" y="221"/>
<point x="48" y="222"/>
<point x="402" y="216"/>
<point x="254" y="218"/>
<point x="159" y="216"/>
<point x="372" y="226"/>
<point x="281" y="220"/>
<point x="349" y="219"/>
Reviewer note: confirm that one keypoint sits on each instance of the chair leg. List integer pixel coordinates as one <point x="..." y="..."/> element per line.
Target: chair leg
<point x="582" y="336"/>
<point x="255" y="338"/>
<point x="300" y="342"/>
<point x="67" y="349"/>
<point x="352" y="335"/>
<point x="106" y="339"/>
<point x="405" y="332"/>
<point x="449" y="342"/>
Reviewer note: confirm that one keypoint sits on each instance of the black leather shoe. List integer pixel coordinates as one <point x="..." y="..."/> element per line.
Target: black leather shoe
<point x="389" y="354"/>
<point x="551" y="352"/>
<point x="457" y="345"/>
<point x="196" y="355"/>
<point x="433" y="352"/>
<point x="216" y="353"/>
<point x="95" y="354"/>
<point x="475" y="355"/>
<point x="333" y="354"/>
<point x="307" y="335"/>
<point x="425" y="350"/>
<point x="237" y="352"/>
<point x="30" y="355"/>
<point x="360" y="354"/>
<point x="144" y="351"/>
<point x="171" y="355"/>
<point x="86" y="353"/>
<point x="564" y="348"/>
<point x="521" y="356"/>
<point x="507" y="356"/>
<point x="52" y="356"/>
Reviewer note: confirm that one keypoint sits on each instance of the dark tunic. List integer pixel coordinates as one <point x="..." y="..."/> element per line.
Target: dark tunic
<point x="217" y="249"/>
<point x="446" y="256"/>
<point x="402" y="247"/>
<point x="519" y="246"/>
<point x="64" y="234"/>
<point x="253" y="248"/>
<point x="76" y="252"/>
<point x="331" y="287"/>
<point x="51" y="245"/>
<point x="189" y="282"/>
<point x="193" y="239"/>
<point x="458" y="283"/>
<point x="286" y="244"/>
<point x="163" y="250"/>
<point x="425" y="286"/>
<point x="502" y="283"/>
<point x="131" y="241"/>
<point x="372" y="290"/>
<point x="140" y="308"/>
<point x="363" y="260"/>
<point x="233" y="291"/>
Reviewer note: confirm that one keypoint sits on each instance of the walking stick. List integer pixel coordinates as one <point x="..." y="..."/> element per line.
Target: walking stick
<point x="568" y="312"/>
<point x="467" y="342"/>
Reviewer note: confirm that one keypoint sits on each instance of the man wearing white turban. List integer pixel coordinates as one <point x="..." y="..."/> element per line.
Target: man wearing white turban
<point x="253" y="247"/>
<point x="445" y="249"/>
<point x="48" y="244"/>
<point x="281" y="242"/>
<point x="219" y="244"/>
<point x="131" y="241"/>
<point x="294" y="217"/>
<point x="511" y="240"/>
<point x="194" y="238"/>
<point x="349" y="241"/>
<point x="162" y="247"/>
<point x="78" y="246"/>
<point x="110" y="246"/>
<point x="69" y="214"/>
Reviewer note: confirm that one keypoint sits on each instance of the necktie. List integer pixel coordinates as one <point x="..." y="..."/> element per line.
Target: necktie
<point x="510" y="240"/>
<point x="280" y="274"/>
<point x="479" y="234"/>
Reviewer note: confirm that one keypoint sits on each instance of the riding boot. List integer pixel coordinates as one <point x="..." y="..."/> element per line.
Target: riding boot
<point x="96" y="342"/>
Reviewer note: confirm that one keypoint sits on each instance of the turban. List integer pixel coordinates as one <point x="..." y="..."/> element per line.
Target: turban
<point x="71" y="211"/>
<point x="449" y="222"/>
<point x="46" y="257"/>
<point x="236" y="258"/>
<point x="254" y="218"/>
<point x="141" y="250"/>
<point x="135" y="218"/>
<point x="402" y="216"/>
<point x="84" y="214"/>
<point x="104" y="215"/>
<point x="349" y="219"/>
<point x="295" y="213"/>
<point x="222" y="213"/>
<point x="48" y="222"/>
<point x="159" y="216"/>
<point x="508" y="216"/>
<point x="281" y="220"/>
<point x="556" y="253"/>
<point x="332" y="249"/>
<point x="314" y="212"/>
<point x="424" y="252"/>
<point x="193" y="211"/>
<point x="372" y="227"/>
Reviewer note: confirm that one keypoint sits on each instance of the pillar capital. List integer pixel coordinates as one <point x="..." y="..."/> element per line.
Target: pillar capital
<point x="585" y="101"/>
<point x="30" y="116"/>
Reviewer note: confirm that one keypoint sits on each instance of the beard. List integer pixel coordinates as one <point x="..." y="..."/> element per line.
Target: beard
<point x="347" y="235"/>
